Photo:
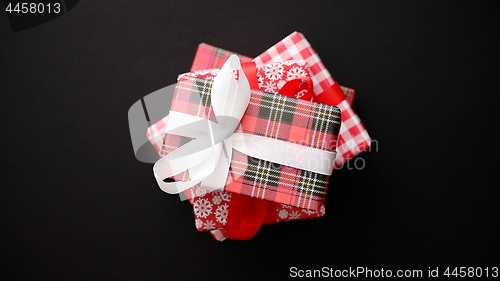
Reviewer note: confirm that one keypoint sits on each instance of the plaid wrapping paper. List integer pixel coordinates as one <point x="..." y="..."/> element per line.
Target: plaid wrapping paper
<point x="272" y="116"/>
<point x="353" y="137"/>
<point x="210" y="57"/>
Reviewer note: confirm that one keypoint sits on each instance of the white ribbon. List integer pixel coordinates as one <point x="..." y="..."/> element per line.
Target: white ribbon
<point x="208" y="156"/>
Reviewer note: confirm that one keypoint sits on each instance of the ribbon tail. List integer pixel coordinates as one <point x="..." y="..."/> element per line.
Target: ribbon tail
<point x="175" y="163"/>
<point x="246" y="215"/>
<point x="175" y="187"/>
<point x="172" y="187"/>
<point x="271" y="215"/>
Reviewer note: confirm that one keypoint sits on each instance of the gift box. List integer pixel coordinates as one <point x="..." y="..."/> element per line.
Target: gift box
<point x="210" y="57"/>
<point x="309" y="128"/>
<point x="208" y="218"/>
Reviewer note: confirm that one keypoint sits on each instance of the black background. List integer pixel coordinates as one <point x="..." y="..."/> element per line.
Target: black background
<point x="77" y="205"/>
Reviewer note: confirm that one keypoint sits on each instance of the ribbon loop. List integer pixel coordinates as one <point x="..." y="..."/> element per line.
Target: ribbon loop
<point x="206" y="158"/>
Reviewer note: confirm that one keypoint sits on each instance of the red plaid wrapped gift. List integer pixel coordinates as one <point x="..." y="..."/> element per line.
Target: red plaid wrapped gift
<point x="272" y="116"/>
<point x="207" y="218"/>
<point x="210" y="57"/>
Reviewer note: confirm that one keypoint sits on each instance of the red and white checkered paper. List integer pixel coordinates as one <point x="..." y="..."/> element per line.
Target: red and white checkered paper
<point x="353" y="137"/>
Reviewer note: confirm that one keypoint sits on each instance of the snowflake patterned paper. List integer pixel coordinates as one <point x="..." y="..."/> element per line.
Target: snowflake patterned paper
<point x="211" y="210"/>
<point x="271" y="77"/>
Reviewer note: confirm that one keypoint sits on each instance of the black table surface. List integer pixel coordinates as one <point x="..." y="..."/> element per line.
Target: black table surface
<point x="77" y="205"/>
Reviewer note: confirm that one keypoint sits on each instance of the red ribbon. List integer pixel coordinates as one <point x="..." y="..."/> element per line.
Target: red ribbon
<point x="331" y="96"/>
<point x="293" y="88"/>
<point x="251" y="73"/>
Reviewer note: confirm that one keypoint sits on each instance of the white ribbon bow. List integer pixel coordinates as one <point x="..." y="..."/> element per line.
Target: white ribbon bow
<point x="208" y="156"/>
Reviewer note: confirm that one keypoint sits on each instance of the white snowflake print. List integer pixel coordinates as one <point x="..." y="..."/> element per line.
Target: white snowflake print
<point x="309" y="212"/>
<point x="269" y="87"/>
<point x="221" y="213"/>
<point x="209" y="225"/>
<point x="294" y="73"/>
<point x="202" y="208"/>
<point x="216" y="199"/>
<point x="280" y="84"/>
<point x="202" y="72"/>
<point x="273" y="71"/>
<point x="200" y="192"/>
<point x="285" y="206"/>
<point x="301" y="62"/>
<point x="189" y="74"/>
<point x="226" y="196"/>
<point x="260" y="80"/>
<point x="283" y="214"/>
<point x="322" y="210"/>
<point x="198" y="223"/>
<point x="295" y="215"/>
<point x="300" y="94"/>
